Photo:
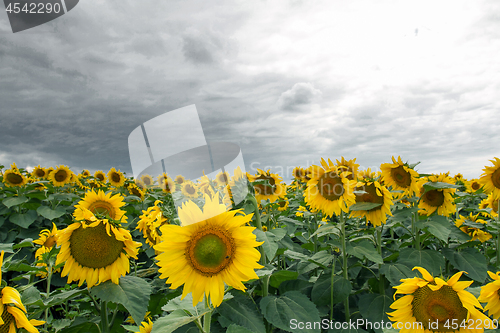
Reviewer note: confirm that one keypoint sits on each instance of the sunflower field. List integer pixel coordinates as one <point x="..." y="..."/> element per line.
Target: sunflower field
<point x="340" y="249"/>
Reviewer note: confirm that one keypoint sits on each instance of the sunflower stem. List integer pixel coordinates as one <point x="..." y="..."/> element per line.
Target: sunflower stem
<point x="344" y="264"/>
<point x="331" y="287"/>
<point x="379" y="250"/>
<point x="416" y="231"/>
<point x="49" y="279"/>
<point x="207" y="317"/>
<point x="104" y="317"/>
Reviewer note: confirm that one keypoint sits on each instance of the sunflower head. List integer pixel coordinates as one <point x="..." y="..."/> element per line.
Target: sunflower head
<point x="435" y="303"/>
<point x="348" y="165"/>
<point x="85" y="173"/>
<point x="377" y="194"/>
<point x="473" y="226"/>
<point x="213" y="247"/>
<point x="146" y="327"/>
<point x="283" y="204"/>
<point x="100" y="205"/>
<point x="166" y="183"/>
<point x="472" y="186"/>
<point x="189" y="189"/>
<point x="116" y="178"/>
<point x="147" y="180"/>
<point x="298" y="173"/>
<point x="61" y="176"/>
<point x="268" y="185"/>
<point x="95" y="251"/>
<point x="437" y="200"/>
<point x="179" y="179"/>
<point x="12" y="310"/>
<point x="135" y="190"/>
<point x="48" y="238"/>
<point x="39" y="172"/>
<point x="329" y="190"/>
<point x="492" y="203"/>
<point x="100" y="176"/>
<point x="490" y="179"/>
<point x="400" y="176"/>
<point x="150" y="222"/>
<point x="490" y="294"/>
<point x="14" y="178"/>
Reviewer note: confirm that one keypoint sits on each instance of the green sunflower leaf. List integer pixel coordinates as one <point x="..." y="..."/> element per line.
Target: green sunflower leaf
<point x="270" y="238"/>
<point x="82" y="328"/>
<point x="132" y="292"/>
<point x="233" y="328"/>
<point x="174" y="320"/>
<point x="437" y="225"/>
<point x="431" y="260"/>
<point x="395" y="272"/>
<point x="364" y="249"/>
<point x="288" y="310"/>
<point x="373" y="308"/>
<point x="364" y="206"/>
<point x="469" y="260"/>
<point x="242" y="311"/>
<point x="321" y="291"/>
<point x="281" y="276"/>
<point x="50" y="213"/>
<point x="24" y="220"/>
<point x="14" y="201"/>
<point x="438" y="186"/>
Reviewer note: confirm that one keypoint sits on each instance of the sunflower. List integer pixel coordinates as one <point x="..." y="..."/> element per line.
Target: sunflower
<point x="475" y="233"/>
<point x="39" y="172"/>
<point x="100" y="176"/>
<point x="440" y="200"/>
<point x="375" y="193"/>
<point x="271" y="191"/>
<point x="60" y="176"/>
<point x="95" y="251"/>
<point x="48" y="238"/>
<point x="222" y="178"/>
<point x="400" y="176"/>
<point x="490" y="179"/>
<point x="212" y="247"/>
<point x="283" y="204"/>
<point x="189" y="189"/>
<point x="146" y="327"/>
<point x="329" y="189"/>
<point x="492" y="203"/>
<point x="472" y="186"/>
<point x="350" y="166"/>
<point x="147" y="180"/>
<point x="149" y="223"/>
<point x="490" y="294"/>
<point x="298" y="173"/>
<point x="166" y="183"/>
<point x="300" y="211"/>
<point x="14" y="178"/>
<point x="434" y="305"/>
<point x="116" y="178"/>
<point x="179" y="179"/>
<point x="100" y="205"/>
<point x="85" y="173"/>
<point x="135" y="190"/>
<point x="12" y="310"/>
<point x="238" y="186"/>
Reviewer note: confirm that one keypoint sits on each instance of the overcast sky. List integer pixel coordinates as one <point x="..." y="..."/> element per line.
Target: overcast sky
<point x="288" y="81"/>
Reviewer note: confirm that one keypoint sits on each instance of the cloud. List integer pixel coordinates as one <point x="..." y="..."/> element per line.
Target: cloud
<point x="300" y="95"/>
